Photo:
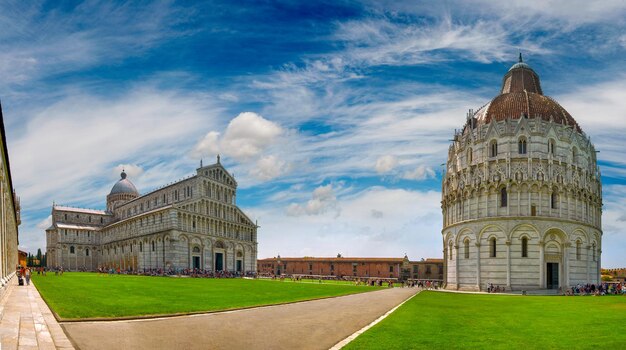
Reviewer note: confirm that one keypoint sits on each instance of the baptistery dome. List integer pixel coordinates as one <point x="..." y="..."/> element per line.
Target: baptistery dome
<point x="522" y="195"/>
<point x="521" y="97"/>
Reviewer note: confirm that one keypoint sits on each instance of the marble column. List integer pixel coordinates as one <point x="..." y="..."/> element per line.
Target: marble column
<point x="542" y="267"/>
<point x="587" y="264"/>
<point x="456" y="260"/>
<point x="566" y="265"/>
<point x="478" y="286"/>
<point x="508" y="265"/>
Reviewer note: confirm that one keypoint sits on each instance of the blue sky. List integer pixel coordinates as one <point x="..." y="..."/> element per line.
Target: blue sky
<point x="333" y="116"/>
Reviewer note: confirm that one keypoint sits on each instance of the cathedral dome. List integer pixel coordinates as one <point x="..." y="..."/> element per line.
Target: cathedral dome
<point x="124" y="186"/>
<point x="521" y="97"/>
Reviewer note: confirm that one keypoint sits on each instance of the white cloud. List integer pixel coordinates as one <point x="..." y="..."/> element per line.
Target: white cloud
<point x="45" y="223"/>
<point x="269" y="167"/>
<point x="385" y="42"/>
<point x="132" y="170"/>
<point x="248" y="134"/>
<point x="323" y="200"/>
<point x="570" y="13"/>
<point x="599" y="109"/>
<point x="36" y="42"/>
<point x="386" y="163"/>
<point x="208" y="146"/>
<point x="360" y="230"/>
<point x="420" y="173"/>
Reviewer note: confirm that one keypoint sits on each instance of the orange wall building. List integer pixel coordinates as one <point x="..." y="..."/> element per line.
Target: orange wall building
<point x="22" y="258"/>
<point x="400" y="268"/>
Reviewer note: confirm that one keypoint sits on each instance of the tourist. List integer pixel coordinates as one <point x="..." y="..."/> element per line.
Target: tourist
<point x="27" y="276"/>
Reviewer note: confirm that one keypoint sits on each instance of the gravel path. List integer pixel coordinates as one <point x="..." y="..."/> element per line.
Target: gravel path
<point x="317" y="324"/>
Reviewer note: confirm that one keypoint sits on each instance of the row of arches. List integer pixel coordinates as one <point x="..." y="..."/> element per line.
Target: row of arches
<point x="220" y="175"/>
<point x="206" y="225"/>
<point x="219" y="192"/>
<point x="522" y="148"/>
<point x="156" y="252"/>
<point x="521" y="199"/>
<point x="522" y="257"/>
<point x="493" y="248"/>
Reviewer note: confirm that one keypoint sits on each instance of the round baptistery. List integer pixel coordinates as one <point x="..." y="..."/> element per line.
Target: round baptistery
<point x="521" y="195"/>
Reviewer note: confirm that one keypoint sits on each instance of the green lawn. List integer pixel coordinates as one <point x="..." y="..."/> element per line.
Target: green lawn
<point x="89" y="295"/>
<point x="452" y="321"/>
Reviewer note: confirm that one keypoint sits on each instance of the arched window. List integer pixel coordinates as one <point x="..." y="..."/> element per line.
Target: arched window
<point x="140" y="246"/>
<point x="153" y="246"/>
<point x="72" y="250"/>
<point x="493" y="148"/>
<point x="466" y="248"/>
<point x="524" y="247"/>
<point x="521" y="146"/>
<point x="470" y="156"/>
<point x="554" y="199"/>
<point x="574" y="154"/>
<point x="551" y="146"/>
<point x="492" y="247"/>
<point x="87" y="252"/>
<point x="450" y="251"/>
<point x="578" y="244"/>
<point x="196" y="250"/>
<point x="503" y="197"/>
<point x="593" y="247"/>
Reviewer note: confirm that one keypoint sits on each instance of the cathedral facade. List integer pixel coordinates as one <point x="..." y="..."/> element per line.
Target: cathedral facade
<point x="522" y="194"/>
<point x="192" y="223"/>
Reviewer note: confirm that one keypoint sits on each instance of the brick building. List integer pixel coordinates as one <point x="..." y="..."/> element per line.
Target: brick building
<point x="399" y="268"/>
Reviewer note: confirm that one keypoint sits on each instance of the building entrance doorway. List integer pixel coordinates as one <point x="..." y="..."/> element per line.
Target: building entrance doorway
<point x="196" y="262"/>
<point x="239" y="266"/>
<point x="552" y="276"/>
<point x="219" y="261"/>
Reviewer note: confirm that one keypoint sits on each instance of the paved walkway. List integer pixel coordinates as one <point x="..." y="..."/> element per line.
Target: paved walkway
<point x="26" y="322"/>
<point x="317" y="324"/>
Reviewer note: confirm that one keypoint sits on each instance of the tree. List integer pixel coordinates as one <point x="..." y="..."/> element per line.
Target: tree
<point x="39" y="254"/>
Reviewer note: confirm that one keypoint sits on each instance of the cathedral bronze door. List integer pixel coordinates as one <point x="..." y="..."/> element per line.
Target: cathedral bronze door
<point x="239" y="265"/>
<point x="219" y="261"/>
<point x="552" y="276"/>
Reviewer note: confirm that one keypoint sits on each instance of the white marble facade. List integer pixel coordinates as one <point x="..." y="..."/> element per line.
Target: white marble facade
<point x="193" y="223"/>
<point x="522" y="195"/>
<point x="9" y="215"/>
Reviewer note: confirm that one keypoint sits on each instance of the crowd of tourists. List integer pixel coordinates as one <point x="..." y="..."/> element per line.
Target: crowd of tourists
<point x="196" y="273"/>
<point x="600" y="289"/>
<point x="495" y="289"/>
<point x="358" y="281"/>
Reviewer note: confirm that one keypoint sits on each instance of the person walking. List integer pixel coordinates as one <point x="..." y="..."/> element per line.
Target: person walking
<point x="27" y="276"/>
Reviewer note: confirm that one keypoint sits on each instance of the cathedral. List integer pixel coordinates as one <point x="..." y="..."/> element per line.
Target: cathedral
<point x="192" y="223"/>
<point x="522" y="194"/>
